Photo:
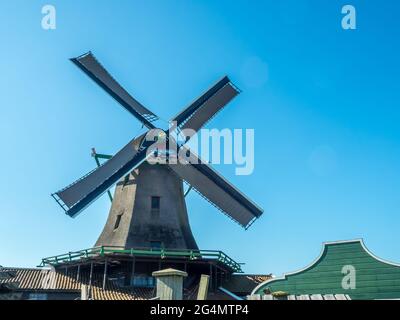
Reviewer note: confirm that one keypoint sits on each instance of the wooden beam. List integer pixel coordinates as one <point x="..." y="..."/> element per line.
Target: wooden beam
<point x="105" y="275"/>
<point x="133" y="269"/>
<point x="215" y="278"/>
<point x="211" y="275"/>
<point x="90" y="280"/>
<point x="203" y="287"/>
<point x="78" y="272"/>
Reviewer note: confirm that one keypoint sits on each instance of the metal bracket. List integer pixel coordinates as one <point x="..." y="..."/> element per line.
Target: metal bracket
<point x="97" y="157"/>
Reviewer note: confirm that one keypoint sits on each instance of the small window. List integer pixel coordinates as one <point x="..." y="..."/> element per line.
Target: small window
<point x="117" y="222"/>
<point x="37" y="296"/>
<point x="126" y="180"/>
<point x="143" y="281"/>
<point x="156" y="244"/>
<point x="155" y="203"/>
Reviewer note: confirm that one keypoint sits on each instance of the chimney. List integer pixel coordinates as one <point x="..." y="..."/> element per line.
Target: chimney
<point x="170" y="284"/>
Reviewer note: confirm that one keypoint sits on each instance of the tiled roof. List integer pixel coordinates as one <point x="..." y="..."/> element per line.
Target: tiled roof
<point x="122" y="294"/>
<point x="219" y="295"/>
<point x="191" y="294"/>
<point x="47" y="280"/>
<point x="6" y="274"/>
<point x="244" y="283"/>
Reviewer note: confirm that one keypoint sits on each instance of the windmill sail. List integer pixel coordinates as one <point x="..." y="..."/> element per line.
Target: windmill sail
<point x="217" y="190"/>
<point x="79" y="194"/>
<point x="88" y="64"/>
<point x="198" y="113"/>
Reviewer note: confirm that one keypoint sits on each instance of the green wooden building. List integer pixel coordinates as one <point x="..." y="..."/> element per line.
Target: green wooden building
<point x="343" y="267"/>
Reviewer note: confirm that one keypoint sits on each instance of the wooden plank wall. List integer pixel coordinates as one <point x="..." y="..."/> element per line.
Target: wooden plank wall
<point x="374" y="279"/>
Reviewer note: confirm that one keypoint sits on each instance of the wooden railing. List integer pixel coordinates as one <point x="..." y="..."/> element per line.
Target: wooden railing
<point x="149" y="252"/>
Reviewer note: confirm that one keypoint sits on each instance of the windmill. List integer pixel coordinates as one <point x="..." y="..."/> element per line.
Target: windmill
<point x="148" y="207"/>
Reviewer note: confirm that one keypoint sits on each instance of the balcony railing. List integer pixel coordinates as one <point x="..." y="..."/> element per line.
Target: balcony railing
<point x="76" y="256"/>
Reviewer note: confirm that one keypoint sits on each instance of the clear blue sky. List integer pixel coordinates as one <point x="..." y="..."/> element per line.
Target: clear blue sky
<point x="324" y="103"/>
